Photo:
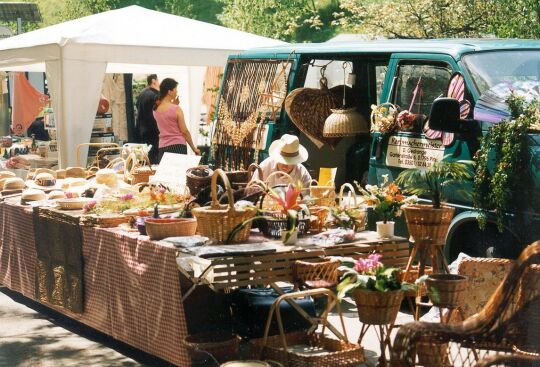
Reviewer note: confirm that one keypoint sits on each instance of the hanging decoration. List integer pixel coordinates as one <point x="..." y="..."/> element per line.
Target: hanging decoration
<point x="344" y="121"/>
<point x="253" y="91"/>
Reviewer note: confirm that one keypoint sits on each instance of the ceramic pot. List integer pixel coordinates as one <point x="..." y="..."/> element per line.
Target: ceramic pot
<point x="291" y="240"/>
<point x="385" y="230"/>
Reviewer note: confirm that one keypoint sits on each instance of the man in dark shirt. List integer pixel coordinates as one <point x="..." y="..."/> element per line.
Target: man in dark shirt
<point x="37" y="128"/>
<point x="146" y="124"/>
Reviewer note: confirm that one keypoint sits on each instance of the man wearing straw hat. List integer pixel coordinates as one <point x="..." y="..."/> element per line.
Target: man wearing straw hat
<point x="286" y="155"/>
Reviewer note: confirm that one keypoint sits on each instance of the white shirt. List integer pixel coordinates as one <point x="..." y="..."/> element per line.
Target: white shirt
<point x="299" y="173"/>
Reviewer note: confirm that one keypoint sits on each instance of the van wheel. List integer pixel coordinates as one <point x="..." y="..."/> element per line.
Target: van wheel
<point x="490" y="242"/>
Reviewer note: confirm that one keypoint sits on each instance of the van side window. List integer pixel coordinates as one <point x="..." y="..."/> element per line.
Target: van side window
<point x="419" y="84"/>
<point x="380" y="73"/>
<point x="333" y="73"/>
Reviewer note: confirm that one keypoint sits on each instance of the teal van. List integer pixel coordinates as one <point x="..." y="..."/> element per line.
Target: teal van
<point x="410" y="74"/>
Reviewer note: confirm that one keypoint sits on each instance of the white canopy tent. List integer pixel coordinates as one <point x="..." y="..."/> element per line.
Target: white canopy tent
<point x="76" y="55"/>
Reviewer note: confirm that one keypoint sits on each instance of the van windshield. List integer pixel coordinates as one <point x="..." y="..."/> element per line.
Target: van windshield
<point x="490" y="68"/>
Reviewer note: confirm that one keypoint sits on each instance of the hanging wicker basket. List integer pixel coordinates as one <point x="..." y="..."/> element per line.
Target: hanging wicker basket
<point x="377" y="308"/>
<point x="217" y="221"/>
<point x="447" y="290"/>
<point x="428" y="225"/>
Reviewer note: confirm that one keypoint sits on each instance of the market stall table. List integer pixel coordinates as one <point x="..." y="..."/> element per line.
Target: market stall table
<point x="131" y="285"/>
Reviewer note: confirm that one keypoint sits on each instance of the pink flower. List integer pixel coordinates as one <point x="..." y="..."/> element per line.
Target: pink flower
<point x="369" y="265"/>
<point x="89" y="206"/>
<point x="126" y="197"/>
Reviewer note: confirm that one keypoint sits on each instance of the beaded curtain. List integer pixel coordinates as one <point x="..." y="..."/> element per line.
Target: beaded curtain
<point x="252" y="94"/>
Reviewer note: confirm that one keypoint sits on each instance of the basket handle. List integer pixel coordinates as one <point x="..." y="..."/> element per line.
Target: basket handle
<point x="290" y="297"/>
<point x="78" y="152"/>
<point x="116" y="161"/>
<point x="129" y="165"/>
<point x="219" y="173"/>
<point x="252" y="168"/>
<point x="279" y="173"/>
<point x="351" y="189"/>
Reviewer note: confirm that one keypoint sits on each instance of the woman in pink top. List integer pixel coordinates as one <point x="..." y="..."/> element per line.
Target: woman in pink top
<point x="173" y="132"/>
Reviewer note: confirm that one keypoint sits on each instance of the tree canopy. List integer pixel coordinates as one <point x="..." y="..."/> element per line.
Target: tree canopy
<point x="319" y="20"/>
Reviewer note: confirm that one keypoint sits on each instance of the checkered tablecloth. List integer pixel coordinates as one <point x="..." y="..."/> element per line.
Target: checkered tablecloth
<point x="132" y="286"/>
<point x="17" y="249"/>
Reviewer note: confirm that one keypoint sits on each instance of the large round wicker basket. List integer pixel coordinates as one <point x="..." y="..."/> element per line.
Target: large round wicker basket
<point x="446" y="290"/>
<point x="217" y="221"/>
<point x="377" y="308"/>
<point x="428" y="225"/>
<point x="160" y="228"/>
<point x="222" y="346"/>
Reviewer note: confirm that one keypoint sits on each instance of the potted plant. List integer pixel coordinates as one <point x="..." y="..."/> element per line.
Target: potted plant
<point x="386" y="201"/>
<point x="377" y="290"/>
<point x="289" y="205"/>
<point x="428" y="224"/>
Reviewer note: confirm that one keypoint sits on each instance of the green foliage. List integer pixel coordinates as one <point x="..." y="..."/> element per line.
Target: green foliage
<point x="288" y="20"/>
<point x="206" y="11"/>
<point x="441" y="18"/>
<point x="508" y="187"/>
<point x="433" y="181"/>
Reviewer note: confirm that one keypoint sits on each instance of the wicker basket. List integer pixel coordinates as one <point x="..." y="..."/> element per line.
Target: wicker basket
<point x="217" y="221"/>
<point x="108" y="221"/>
<point x="320" y="213"/>
<point x="160" y="228"/>
<point x="447" y="290"/>
<point x="344" y="122"/>
<point x="72" y="204"/>
<point x="222" y="346"/>
<point x="321" y="274"/>
<point x="135" y="172"/>
<point x="275" y="226"/>
<point x="335" y="353"/>
<point x="323" y="195"/>
<point x="197" y="183"/>
<point x="428" y="225"/>
<point x="377" y="308"/>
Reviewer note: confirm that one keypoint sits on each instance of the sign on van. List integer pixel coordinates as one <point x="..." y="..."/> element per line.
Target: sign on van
<point x="408" y="152"/>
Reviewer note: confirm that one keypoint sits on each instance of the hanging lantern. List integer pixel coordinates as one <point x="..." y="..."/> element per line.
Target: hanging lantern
<point x="345" y="121"/>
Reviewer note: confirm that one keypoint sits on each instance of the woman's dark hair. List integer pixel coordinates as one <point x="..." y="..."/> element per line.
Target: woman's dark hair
<point x="166" y="85"/>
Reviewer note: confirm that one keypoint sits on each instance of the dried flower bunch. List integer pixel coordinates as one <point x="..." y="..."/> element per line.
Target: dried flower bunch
<point x="384" y="118"/>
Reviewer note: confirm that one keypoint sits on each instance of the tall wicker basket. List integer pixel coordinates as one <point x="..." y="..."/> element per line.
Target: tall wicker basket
<point x="428" y="225"/>
<point x="217" y="221"/>
<point x="377" y="308"/>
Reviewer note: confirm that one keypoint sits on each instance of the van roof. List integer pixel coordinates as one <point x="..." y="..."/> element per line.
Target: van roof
<point x="454" y="47"/>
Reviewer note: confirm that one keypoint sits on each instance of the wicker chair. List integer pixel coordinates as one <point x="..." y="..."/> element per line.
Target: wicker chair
<point x="509" y="321"/>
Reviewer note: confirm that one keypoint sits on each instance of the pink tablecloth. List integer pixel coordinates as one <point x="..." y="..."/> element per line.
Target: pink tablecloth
<point x="17" y="249"/>
<point x="132" y="287"/>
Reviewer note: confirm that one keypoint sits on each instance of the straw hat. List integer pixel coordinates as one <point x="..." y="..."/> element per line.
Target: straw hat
<point x="45" y="170"/>
<point x="44" y="181"/>
<point x="56" y="194"/>
<point x="32" y="195"/>
<point x="288" y="150"/>
<point x="76" y="172"/>
<point x="13" y="183"/>
<point x="60" y="173"/>
<point x="6" y="174"/>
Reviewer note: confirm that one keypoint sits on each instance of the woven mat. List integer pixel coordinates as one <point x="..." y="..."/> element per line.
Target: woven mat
<point x="59" y="265"/>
